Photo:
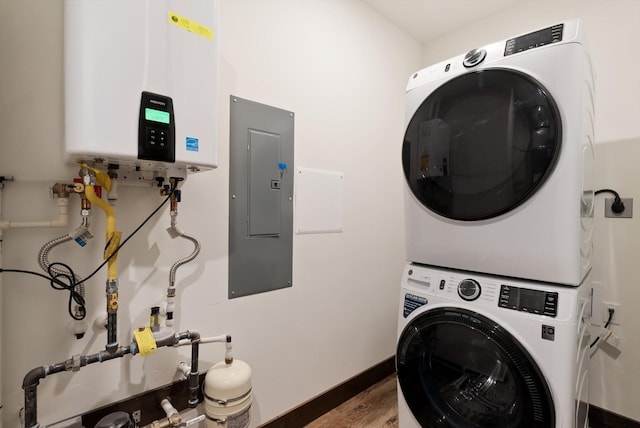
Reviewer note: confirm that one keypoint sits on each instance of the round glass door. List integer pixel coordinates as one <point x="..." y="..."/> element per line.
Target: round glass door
<point x="481" y="144"/>
<point x="459" y="369"/>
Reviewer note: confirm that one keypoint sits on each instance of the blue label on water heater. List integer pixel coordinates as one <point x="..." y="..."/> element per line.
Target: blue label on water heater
<point x="192" y="144"/>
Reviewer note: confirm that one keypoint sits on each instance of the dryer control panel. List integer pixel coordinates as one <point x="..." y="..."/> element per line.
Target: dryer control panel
<point x="526" y="300"/>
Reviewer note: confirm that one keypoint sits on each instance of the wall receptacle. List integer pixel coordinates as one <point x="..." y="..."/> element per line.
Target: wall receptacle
<point x="628" y="208"/>
<point x="617" y="314"/>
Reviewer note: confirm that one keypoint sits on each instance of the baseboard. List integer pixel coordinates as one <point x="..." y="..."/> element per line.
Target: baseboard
<point x="601" y="418"/>
<point x="318" y="406"/>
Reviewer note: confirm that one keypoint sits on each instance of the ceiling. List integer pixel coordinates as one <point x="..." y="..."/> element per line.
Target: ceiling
<point x="427" y="20"/>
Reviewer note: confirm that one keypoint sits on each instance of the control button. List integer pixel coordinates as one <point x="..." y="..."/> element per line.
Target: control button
<point x="442" y="284"/>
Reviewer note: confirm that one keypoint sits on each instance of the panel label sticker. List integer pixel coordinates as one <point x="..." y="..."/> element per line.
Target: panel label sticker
<point x="191" y="25"/>
<point x="411" y="303"/>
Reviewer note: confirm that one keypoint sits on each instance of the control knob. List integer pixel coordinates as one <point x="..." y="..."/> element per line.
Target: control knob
<point x="469" y="289"/>
<point x="474" y="57"/>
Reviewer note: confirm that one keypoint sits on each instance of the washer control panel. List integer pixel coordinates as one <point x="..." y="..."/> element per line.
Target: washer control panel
<point x="526" y="300"/>
<point x="534" y="40"/>
<point x="426" y="285"/>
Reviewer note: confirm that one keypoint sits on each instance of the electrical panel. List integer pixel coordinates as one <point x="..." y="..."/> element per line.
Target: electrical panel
<point x="141" y="85"/>
<point x="261" y="181"/>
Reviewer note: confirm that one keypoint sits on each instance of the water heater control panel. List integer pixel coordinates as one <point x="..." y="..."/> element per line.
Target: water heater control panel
<point x="156" y="128"/>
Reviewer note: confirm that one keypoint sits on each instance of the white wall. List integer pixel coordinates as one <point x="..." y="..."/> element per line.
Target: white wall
<point x="342" y="69"/>
<point x="613" y="30"/>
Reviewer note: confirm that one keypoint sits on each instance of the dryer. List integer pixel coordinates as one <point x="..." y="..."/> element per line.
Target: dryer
<point x="484" y="351"/>
<point x="498" y="159"/>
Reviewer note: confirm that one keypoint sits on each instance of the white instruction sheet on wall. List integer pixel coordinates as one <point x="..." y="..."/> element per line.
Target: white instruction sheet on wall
<point x="319" y="201"/>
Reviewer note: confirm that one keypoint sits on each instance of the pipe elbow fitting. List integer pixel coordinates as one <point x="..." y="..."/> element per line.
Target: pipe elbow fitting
<point x="33" y="377"/>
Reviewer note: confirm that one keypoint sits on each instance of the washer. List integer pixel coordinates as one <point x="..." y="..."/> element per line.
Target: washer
<point x="498" y="159"/>
<point x="483" y="351"/>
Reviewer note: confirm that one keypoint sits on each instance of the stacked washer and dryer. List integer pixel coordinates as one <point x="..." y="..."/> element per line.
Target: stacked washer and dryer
<point x="496" y="300"/>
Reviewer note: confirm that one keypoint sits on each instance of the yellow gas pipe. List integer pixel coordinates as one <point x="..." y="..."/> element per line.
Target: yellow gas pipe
<point x="110" y="252"/>
<point x="112" y="234"/>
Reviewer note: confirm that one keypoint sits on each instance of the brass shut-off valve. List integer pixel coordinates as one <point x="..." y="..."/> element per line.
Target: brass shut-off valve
<point x="62" y="190"/>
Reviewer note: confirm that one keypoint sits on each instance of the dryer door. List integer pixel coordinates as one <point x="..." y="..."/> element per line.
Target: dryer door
<point x="481" y="144"/>
<point x="459" y="369"/>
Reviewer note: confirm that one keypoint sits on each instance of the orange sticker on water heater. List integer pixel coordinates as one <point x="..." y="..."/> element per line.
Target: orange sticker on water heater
<point x="191" y="25"/>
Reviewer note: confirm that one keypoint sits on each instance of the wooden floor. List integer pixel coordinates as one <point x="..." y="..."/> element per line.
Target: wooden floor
<point x="376" y="406"/>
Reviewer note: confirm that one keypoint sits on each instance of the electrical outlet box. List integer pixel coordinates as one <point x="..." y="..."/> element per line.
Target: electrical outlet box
<point x="628" y="208"/>
<point x="617" y="314"/>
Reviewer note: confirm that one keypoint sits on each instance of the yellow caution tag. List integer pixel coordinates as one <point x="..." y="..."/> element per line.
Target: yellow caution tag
<point x="190" y="25"/>
<point x="146" y="343"/>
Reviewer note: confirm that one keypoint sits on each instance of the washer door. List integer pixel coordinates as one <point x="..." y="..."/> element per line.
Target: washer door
<point x="481" y="144"/>
<point x="459" y="369"/>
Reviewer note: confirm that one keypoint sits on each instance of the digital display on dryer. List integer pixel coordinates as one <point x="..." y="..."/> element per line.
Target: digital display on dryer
<point x="526" y="300"/>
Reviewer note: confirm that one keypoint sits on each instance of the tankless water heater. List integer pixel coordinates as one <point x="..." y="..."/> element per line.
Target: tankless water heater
<point x="141" y="87"/>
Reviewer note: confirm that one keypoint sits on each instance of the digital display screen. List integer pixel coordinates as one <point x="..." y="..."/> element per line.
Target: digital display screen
<point x="532" y="300"/>
<point x="534" y="40"/>
<point x="525" y="300"/>
<point x="156" y="115"/>
<point x="539" y="37"/>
